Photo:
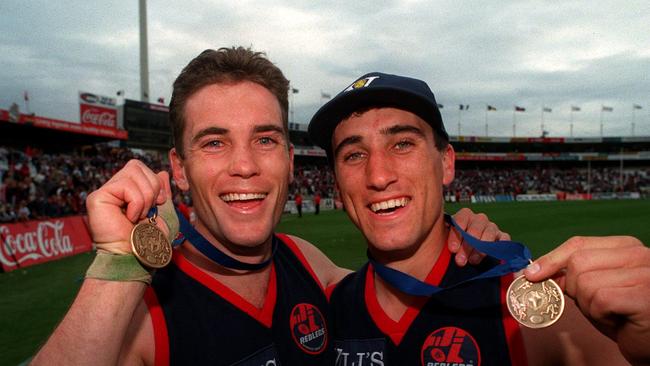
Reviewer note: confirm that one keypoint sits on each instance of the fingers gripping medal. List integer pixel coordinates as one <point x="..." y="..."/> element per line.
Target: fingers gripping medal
<point x="535" y="304"/>
<point x="150" y="244"/>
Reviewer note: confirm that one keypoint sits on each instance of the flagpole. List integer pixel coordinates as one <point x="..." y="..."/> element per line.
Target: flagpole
<point x="27" y="103"/>
<point x="514" y="122"/>
<point x="633" y="118"/>
<point x="291" y="104"/>
<point x="460" y="110"/>
<point x="601" y="121"/>
<point x="571" y="122"/>
<point x="542" y="126"/>
<point x="486" y="121"/>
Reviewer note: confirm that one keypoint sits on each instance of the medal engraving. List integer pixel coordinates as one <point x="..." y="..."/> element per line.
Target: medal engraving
<point x="150" y="245"/>
<point x="535" y="305"/>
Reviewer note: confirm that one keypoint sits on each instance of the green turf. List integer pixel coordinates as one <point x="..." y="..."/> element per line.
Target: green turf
<point x="32" y="301"/>
<point x="540" y="225"/>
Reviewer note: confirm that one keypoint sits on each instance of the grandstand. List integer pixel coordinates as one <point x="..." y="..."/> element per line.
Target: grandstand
<point x="47" y="167"/>
<point x="504" y="168"/>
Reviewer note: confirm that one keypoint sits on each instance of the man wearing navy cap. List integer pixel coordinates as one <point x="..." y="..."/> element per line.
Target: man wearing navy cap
<point x="386" y="140"/>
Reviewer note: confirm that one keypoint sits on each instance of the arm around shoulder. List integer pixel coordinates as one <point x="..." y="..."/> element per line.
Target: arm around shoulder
<point x="327" y="272"/>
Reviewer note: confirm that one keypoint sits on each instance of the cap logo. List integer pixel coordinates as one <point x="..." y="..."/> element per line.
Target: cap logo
<point x="361" y="83"/>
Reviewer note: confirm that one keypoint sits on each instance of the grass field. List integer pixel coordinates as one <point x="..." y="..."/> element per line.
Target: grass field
<point x="33" y="300"/>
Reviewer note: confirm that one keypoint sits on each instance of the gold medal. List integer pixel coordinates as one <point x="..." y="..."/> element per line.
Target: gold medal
<point x="150" y="245"/>
<point x="535" y="304"/>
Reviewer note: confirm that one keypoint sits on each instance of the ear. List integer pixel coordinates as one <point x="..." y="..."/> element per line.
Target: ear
<point x="448" y="165"/>
<point x="178" y="170"/>
<point x="290" y="163"/>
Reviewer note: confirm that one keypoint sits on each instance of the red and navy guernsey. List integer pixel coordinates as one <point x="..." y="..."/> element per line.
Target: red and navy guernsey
<point x="468" y="325"/>
<point x="199" y="321"/>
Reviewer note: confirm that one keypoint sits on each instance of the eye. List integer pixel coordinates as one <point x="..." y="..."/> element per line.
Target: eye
<point x="403" y="145"/>
<point x="266" y="140"/>
<point x="352" y="156"/>
<point x="213" y="144"/>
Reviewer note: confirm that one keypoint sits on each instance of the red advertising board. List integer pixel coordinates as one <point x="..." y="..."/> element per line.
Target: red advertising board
<point x="33" y="242"/>
<point x="56" y="124"/>
<point x="97" y="110"/>
<point x="98" y="116"/>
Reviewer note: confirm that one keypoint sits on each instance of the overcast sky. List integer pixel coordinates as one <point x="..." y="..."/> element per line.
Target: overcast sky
<point x="532" y="54"/>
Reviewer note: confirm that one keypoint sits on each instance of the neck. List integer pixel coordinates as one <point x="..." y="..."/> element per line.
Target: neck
<point x="418" y="259"/>
<point x="244" y="253"/>
<point x="418" y="264"/>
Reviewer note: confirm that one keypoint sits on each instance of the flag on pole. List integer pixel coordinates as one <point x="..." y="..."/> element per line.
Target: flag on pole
<point x="608" y="109"/>
<point x="161" y="100"/>
<point x="26" y="96"/>
<point x="440" y="105"/>
<point x="575" y="109"/>
<point x="325" y="95"/>
<point x="463" y="107"/>
<point x="491" y="108"/>
<point x="636" y="106"/>
<point x="120" y="93"/>
<point x="294" y="90"/>
<point x="547" y="109"/>
<point x="520" y="109"/>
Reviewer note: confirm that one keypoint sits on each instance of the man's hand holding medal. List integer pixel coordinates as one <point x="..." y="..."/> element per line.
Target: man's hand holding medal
<point x="122" y="222"/>
<point x="609" y="280"/>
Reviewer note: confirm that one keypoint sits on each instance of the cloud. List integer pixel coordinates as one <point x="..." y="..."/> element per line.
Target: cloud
<point x="532" y="53"/>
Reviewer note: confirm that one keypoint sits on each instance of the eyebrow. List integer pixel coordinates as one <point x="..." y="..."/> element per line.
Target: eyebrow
<point x="397" y="129"/>
<point x="268" y="128"/>
<point x="346" y="141"/>
<point x="209" y="131"/>
<point x="223" y="131"/>
<point x="393" y="130"/>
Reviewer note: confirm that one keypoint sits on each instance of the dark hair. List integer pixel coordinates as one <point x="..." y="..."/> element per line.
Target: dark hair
<point x="225" y="65"/>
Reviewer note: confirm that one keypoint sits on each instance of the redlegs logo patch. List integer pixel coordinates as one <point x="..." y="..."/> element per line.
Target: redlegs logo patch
<point x="308" y="328"/>
<point x="450" y="346"/>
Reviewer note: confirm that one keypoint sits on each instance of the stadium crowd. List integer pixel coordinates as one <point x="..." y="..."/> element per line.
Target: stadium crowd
<point x="35" y="185"/>
<point x="521" y="181"/>
<point x="312" y="179"/>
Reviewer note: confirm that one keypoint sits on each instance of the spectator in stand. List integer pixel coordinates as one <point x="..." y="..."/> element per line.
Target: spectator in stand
<point x="317" y="202"/>
<point x="22" y="213"/>
<point x="6" y="214"/>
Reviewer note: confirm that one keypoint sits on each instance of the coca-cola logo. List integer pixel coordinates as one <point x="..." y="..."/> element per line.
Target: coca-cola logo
<point x="46" y="241"/>
<point x="89" y="98"/>
<point x="97" y="117"/>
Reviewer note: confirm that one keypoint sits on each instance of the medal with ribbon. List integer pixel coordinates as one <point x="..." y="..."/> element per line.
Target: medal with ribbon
<point x="534" y="305"/>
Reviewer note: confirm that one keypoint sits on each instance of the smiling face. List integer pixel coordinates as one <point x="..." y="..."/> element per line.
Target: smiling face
<point x="390" y="176"/>
<point x="237" y="162"/>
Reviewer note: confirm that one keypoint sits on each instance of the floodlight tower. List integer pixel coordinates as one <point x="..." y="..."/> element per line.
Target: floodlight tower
<point x="144" y="60"/>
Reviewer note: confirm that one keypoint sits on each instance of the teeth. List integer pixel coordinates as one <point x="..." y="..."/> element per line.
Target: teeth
<point x="230" y="197"/>
<point x="384" y="205"/>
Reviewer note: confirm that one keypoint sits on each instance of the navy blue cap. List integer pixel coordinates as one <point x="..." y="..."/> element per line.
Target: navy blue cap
<point x="376" y="89"/>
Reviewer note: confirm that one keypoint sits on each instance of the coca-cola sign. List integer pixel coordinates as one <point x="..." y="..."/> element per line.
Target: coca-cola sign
<point x="33" y="242"/>
<point x="99" y="117"/>
<point x="97" y="110"/>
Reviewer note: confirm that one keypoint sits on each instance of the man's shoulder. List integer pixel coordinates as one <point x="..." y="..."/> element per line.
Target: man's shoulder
<point x="351" y="285"/>
<point x="315" y="260"/>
